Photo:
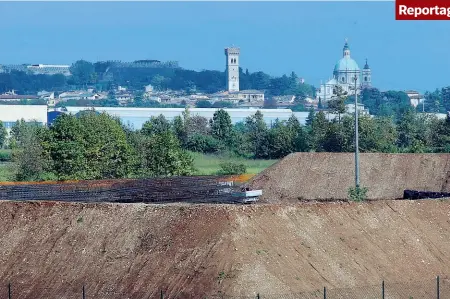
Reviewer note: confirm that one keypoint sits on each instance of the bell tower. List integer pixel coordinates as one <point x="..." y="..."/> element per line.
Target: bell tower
<point x="232" y="55"/>
<point x="366" y="76"/>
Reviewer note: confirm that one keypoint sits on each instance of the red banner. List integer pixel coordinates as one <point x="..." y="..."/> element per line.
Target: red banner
<point x="422" y="9"/>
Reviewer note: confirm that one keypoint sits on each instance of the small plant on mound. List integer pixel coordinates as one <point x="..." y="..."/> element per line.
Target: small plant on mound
<point x="232" y="168"/>
<point x="357" y="194"/>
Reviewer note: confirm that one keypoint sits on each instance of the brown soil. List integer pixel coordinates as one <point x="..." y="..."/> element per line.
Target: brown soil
<point x="134" y="250"/>
<point x="321" y="176"/>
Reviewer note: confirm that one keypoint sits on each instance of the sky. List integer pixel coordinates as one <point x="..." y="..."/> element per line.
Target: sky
<point x="274" y="37"/>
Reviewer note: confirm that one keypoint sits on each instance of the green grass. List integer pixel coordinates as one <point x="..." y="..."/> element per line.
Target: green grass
<point x="210" y="164"/>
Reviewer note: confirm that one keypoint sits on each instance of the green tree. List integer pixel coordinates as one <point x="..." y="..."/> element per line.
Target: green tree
<point x="90" y="146"/>
<point x="281" y="141"/>
<point x="203" y="104"/>
<point x="310" y="118"/>
<point x="318" y="132"/>
<point x="3" y="135"/>
<point x="163" y="156"/>
<point x="337" y="102"/>
<point x="221" y="126"/>
<point x="83" y="72"/>
<point x="156" y="125"/>
<point x="257" y="135"/>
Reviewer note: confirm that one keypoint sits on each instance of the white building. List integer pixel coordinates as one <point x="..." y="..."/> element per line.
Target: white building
<point x="136" y="117"/>
<point x="233" y="93"/>
<point x="415" y="97"/>
<point x="232" y="55"/>
<point x="10" y="114"/>
<point x="344" y="73"/>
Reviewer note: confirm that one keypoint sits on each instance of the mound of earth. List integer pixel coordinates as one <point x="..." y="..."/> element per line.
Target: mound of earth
<point x="49" y="250"/>
<point x="328" y="176"/>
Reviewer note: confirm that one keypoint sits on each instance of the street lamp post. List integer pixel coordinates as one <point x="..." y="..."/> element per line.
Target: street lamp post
<point x="356" y="135"/>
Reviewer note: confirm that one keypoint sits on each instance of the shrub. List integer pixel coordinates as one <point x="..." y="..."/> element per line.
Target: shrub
<point x="232" y="168"/>
<point x="203" y="144"/>
<point x="357" y="194"/>
<point x="5" y="156"/>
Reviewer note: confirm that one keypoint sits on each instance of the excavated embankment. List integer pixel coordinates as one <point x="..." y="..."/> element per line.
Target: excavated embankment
<point x="49" y="250"/>
<point x="323" y="176"/>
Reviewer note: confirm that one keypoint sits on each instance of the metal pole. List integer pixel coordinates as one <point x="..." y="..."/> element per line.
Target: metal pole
<point x="356" y="137"/>
<point x="382" y="290"/>
<point x="162" y="295"/>
<point x="84" y="293"/>
<point x="9" y="290"/>
<point x="324" y="292"/>
<point x="437" y="287"/>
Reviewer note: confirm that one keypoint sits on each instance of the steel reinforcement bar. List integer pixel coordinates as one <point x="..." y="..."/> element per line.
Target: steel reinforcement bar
<point x="199" y="189"/>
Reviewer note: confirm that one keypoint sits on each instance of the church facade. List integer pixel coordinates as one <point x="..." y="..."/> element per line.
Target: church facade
<point x="345" y="72"/>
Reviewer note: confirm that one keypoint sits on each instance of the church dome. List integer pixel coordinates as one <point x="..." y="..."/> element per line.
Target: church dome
<point x="346" y="64"/>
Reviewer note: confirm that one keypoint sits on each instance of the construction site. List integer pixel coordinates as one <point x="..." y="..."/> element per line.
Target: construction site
<point x="288" y="232"/>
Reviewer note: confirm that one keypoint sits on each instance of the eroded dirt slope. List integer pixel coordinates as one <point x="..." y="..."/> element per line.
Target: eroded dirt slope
<point x="133" y="251"/>
<point x="320" y="176"/>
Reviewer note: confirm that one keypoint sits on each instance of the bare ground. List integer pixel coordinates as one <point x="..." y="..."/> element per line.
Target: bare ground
<point x="135" y="250"/>
<point x="322" y="176"/>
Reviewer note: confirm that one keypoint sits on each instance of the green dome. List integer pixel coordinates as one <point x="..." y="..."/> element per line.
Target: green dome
<point x="346" y="64"/>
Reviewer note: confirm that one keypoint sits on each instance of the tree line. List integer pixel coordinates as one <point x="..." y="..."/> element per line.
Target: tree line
<point x="104" y="76"/>
<point x="93" y="145"/>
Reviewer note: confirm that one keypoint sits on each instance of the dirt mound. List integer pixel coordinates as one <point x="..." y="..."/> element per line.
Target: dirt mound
<point x="49" y="250"/>
<point x="321" y="176"/>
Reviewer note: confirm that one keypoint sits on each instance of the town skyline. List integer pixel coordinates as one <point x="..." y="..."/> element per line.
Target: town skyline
<point x="277" y="47"/>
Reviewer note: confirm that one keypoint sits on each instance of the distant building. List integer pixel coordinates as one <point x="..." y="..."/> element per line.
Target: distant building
<point x="232" y="70"/>
<point x="10" y="114"/>
<point x="415" y="97"/>
<point x="149" y="88"/>
<point x="49" y="69"/>
<point x="11" y="96"/>
<point x="136" y="117"/>
<point x="344" y="74"/>
<point x="233" y="94"/>
<point x="350" y="108"/>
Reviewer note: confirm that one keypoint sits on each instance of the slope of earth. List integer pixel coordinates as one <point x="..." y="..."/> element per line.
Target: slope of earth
<point x="323" y="176"/>
<point x="49" y="250"/>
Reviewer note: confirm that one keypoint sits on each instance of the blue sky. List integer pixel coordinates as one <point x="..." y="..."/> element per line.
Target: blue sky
<point x="275" y="37"/>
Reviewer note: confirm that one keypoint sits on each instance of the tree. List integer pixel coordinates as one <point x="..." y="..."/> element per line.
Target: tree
<point x="221" y="126"/>
<point x="3" y="135"/>
<point x="90" y="146"/>
<point x="318" y="132"/>
<point x="156" y="125"/>
<point x="83" y="72"/>
<point x="270" y="103"/>
<point x="310" y="118"/>
<point x="163" y="156"/>
<point x="337" y="102"/>
<point x="433" y="101"/>
<point x="32" y="162"/>
<point x="257" y="135"/>
<point x="203" y="104"/>
<point x="299" y="136"/>
<point x="281" y="141"/>
<point x="445" y="94"/>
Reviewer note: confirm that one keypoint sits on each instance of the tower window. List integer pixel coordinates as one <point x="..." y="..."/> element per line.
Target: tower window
<point x="365" y="79"/>
<point x="343" y="79"/>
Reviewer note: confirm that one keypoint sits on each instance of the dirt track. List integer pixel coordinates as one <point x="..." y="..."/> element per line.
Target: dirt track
<point x="135" y="250"/>
<point x="320" y="176"/>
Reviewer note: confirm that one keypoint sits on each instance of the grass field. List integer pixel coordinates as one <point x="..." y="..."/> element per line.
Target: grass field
<point x="205" y="165"/>
<point x="210" y="164"/>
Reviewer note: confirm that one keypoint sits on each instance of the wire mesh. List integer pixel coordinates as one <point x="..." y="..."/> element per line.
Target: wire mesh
<point x="199" y="189"/>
